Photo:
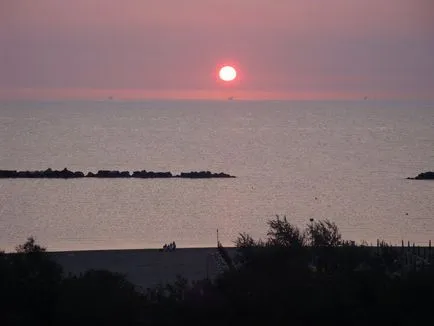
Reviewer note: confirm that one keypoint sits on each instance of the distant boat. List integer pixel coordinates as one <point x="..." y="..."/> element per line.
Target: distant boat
<point x="230" y="98"/>
<point x="365" y="98"/>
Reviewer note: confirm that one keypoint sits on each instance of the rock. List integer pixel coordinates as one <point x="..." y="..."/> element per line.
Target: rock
<point x="107" y="174"/>
<point x="8" y="173"/>
<point x="35" y="174"/>
<point x="22" y="174"/>
<point x="204" y="175"/>
<point x="150" y="174"/>
<point x="78" y="174"/>
<point x="48" y="173"/>
<point x="102" y="174"/>
<point x="139" y="174"/>
<point x="165" y="174"/>
<point x="424" y="176"/>
<point x="112" y="174"/>
<point x="125" y="174"/>
<point x="224" y="175"/>
<point x="66" y="174"/>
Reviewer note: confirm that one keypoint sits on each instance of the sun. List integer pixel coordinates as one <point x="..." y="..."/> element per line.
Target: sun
<point x="227" y="73"/>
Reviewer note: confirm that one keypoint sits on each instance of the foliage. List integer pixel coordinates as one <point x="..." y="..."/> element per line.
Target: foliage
<point x="283" y="234"/>
<point x="323" y="234"/>
<point x="98" y="297"/>
<point x="30" y="247"/>
<point x="30" y="284"/>
<point x="294" y="276"/>
<point x="323" y="278"/>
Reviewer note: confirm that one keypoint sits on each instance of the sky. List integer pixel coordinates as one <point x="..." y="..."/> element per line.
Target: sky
<point x="292" y="49"/>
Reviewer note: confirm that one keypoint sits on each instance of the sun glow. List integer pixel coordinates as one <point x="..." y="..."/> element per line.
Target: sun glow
<point x="227" y="73"/>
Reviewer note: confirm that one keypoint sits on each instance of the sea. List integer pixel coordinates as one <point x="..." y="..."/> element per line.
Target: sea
<point x="346" y="161"/>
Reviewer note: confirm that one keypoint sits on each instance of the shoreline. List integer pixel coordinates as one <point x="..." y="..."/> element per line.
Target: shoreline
<point x="126" y="250"/>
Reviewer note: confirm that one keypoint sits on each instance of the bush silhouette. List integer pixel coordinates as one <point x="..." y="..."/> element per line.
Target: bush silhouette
<point x="294" y="276"/>
<point x="313" y="276"/>
<point x="99" y="297"/>
<point x="30" y="285"/>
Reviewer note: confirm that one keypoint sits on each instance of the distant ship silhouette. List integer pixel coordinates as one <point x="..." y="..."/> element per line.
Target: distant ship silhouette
<point x="230" y="98"/>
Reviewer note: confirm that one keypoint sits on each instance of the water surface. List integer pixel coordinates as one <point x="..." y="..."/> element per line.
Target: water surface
<point x="346" y="161"/>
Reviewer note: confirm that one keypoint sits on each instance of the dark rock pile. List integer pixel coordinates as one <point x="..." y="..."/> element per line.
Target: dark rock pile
<point x="52" y="174"/>
<point x="424" y="176"/>
<point x="66" y="174"/>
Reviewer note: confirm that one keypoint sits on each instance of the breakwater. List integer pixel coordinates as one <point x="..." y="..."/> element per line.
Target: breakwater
<point x="143" y="174"/>
<point x="424" y="176"/>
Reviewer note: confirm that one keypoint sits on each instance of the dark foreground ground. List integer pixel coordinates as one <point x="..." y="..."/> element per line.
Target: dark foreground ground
<point x="293" y="277"/>
<point x="147" y="268"/>
<point x="144" y="267"/>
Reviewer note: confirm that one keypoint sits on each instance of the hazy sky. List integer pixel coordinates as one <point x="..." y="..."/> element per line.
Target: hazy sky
<point x="172" y="48"/>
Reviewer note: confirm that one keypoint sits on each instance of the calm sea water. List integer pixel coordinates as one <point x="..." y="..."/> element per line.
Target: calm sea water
<point x="346" y="161"/>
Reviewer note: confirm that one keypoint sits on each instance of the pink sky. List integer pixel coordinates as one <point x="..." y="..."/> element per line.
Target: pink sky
<point x="301" y="49"/>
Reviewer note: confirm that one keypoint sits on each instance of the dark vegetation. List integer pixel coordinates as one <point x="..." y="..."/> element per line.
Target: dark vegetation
<point x="293" y="277"/>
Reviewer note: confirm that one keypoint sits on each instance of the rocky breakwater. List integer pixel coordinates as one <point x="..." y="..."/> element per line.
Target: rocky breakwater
<point x="203" y="175"/>
<point x="109" y="174"/>
<point x="424" y="176"/>
<point x="150" y="174"/>
<point x="66" y="174"/>
<point x="51" y="174"/>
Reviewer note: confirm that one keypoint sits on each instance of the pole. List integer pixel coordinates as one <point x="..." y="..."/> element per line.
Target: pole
<point x="207" y="267"/>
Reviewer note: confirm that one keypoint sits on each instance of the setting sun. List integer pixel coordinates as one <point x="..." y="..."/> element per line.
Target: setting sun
<point x="227" y="73"/>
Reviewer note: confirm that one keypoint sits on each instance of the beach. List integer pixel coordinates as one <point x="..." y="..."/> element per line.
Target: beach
<point x="145" y="268"/>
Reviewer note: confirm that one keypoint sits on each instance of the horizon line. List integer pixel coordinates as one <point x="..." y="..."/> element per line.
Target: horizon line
<point x="212" y="94"/>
